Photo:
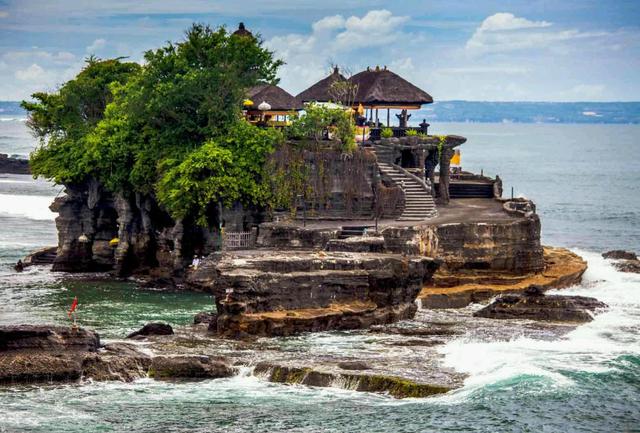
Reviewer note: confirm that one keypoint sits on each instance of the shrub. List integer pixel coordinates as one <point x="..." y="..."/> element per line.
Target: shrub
<point x="411" y="133"/>
<point x="386" y="133"/>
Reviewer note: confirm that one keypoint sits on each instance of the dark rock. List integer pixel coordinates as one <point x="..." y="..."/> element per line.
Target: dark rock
<point x="394" y="386"/>
<point x="118" y="361"/>
<point x="283" y="293"/>
<point x="205" y="317"/>
<point x="534" y="290"/>
<point x="353" y="365"/>
<point x="166" y="367"/>
<point x="555" y="308"/>
<point x="47" y="338"/>
<point x="11" y="165"/>
<point x="416" y="332"/>
<point x="153" y="329"/>
<point x="43" y="256"/>
<point x="632" y="266"/>
<point x="620" y="255"/>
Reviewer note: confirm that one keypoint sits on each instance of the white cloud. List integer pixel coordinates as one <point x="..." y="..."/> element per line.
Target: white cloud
<point x="332" y="38"/>
<point x="508" y="21"/>
<point x="329" y="23"/>
<point x="4" y="14"/>
<point x="377" y="27"/>
<point x="97" y="45"/>
<point x="31" y="73"/>
<point x="504" y="32"/>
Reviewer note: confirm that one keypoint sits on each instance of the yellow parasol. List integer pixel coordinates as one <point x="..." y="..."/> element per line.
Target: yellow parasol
<point x="360" y="109"/>
<point x="247" y="103"/>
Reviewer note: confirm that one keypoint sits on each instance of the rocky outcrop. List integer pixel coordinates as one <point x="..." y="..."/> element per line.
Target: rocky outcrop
<point x="10" y="165"/>
<point x="43" y="256"/>
<point x="47" y="338"/>
<point x="533" y="304"/>
<point x="394" y="386"/>
<point x="152" y="329"/>
<point x="170" y="367"/>
<point x="457" y="289"/>
<point x="266" y="292"/>
<point x="624" y="261"/>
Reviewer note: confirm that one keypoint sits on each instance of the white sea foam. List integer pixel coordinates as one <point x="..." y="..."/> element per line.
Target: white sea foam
<point x="29" y="206"/>
<point x="589" y="348"/>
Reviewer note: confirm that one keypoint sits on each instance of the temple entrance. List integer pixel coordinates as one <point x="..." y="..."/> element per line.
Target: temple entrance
<point x="408" y="159"/>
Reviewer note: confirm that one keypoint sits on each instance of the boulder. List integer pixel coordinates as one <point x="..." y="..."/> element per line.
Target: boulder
<point x="353" y="365"/>
<point x="632" y="266"/>
<point x="167" y="367"/>
<point x="152" y="329"/>
<point x="620" y="255"/>
<point x="534" y="305"/>
<point x="205" y="317"/>
<point x="47" y="338"/>
<point x="12" y="165"/>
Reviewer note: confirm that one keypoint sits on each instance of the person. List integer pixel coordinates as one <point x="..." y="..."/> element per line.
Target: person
<point x="19" y="267"/>
<point x="196" y="262"/>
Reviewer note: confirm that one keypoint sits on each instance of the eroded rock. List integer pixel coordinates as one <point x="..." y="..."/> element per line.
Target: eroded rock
<point x="167" y="367"/>
<point x="534" y="305"/>
<point x="620" y="255"/>
<point x="47" y="338"/>
<point x="152" y="329"/>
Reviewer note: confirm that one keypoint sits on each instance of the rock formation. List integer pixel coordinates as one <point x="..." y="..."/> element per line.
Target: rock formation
<point x="533" y="304"/>
<point x="266" y="292"/>
<point x="152" y="329"/>
<point x="624" y="261"/>
<point x="10" y="165"/>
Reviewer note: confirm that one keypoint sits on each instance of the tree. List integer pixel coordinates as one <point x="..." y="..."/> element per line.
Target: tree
<point x="61" y="120"/>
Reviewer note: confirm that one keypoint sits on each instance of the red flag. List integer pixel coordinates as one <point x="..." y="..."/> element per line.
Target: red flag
<point x="74" y="305"/>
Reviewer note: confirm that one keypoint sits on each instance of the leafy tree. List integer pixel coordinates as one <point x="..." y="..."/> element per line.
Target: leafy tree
<point x="62" y="119"/>
<point x="319" y="120"/>
<point x="226" y="169"/>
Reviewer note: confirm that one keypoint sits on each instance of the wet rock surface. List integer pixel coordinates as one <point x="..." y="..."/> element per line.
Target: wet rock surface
<point x="11" y="165"/>
<point x="47" y="338"/>
<point x="171" y="367"/>
<point x="152" y="329"/>
<point x="277" y="293"/>
<point x="624" y="261"/>
<point x="533" y="304"/>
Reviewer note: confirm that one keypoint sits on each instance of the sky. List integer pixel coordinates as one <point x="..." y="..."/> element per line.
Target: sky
<point x="530" y="50"/>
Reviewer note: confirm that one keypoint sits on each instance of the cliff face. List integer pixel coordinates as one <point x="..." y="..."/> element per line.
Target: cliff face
<point x="267" y="292"/>
<point x="149" y="241"/>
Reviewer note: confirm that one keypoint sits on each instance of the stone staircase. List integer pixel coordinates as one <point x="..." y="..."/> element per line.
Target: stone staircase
<point x="419" y="204"/>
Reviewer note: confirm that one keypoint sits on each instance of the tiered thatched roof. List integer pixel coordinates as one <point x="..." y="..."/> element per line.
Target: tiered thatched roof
<point x="242" y="31"/>
<point x="278" y="98"/>
<point x="383" y="88"/>
<point x="320" y="92"/>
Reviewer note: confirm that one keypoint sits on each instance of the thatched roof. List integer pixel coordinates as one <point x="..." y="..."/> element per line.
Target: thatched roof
<point x="242" y="31"/>
<point x="320" y="92"/>
<point x="278" y="98"/>
<point x="383" y="87"/>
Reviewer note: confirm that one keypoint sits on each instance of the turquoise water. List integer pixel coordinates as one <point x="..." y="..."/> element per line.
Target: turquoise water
<point x="585" y="180"/>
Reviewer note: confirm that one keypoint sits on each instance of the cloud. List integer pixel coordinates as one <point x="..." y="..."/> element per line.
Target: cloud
<point x="31" y="73"/>
<point x="504" y="32"/>
<point x="4" y="14"/>
<point x="333" y="39"/>
<point x="377" y="27"/>
<point x="97" y="45"/>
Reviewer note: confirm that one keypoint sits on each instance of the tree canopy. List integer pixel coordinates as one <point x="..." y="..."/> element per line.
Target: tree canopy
<point x="171" y="127"/>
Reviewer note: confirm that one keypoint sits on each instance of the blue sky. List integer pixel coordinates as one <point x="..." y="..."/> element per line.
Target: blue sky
<point x="569" y="50"/>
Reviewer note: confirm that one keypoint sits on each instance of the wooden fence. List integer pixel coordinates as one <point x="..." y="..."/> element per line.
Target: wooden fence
<point x="238" y="240"/>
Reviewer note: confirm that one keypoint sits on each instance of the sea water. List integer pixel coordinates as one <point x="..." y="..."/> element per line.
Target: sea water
<point x="585" y="181"/>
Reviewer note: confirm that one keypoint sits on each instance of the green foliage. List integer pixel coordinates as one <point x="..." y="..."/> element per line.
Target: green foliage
<point x="442" y="139"/>
<point x="62" y="120"/>
<point x="319" y="120"/>
<point x="411" y="133"/>
<point x="171" y="127"/>
<point x="386" y="133"/>
<point x="227" y="169"/>
<point x="423" y="135"/>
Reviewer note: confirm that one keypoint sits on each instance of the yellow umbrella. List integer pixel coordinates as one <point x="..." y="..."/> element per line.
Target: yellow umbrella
<point x="360" y="109"/>
<point x="247" y="103"/>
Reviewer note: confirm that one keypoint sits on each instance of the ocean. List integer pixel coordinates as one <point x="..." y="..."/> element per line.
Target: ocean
<point x="585" y="180"/>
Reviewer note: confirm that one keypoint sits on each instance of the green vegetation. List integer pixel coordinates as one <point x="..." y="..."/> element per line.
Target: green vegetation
<point x="386" y="133"/>
<point x="170" y="128"/>
<point x="442" y="139"/>
<point x="320" y="120"/>
<point x="411" y="133"/>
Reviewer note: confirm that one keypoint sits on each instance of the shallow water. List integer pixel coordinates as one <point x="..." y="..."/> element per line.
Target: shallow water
<point x="585" y="181"/>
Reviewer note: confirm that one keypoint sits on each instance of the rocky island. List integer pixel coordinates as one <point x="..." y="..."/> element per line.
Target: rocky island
<point x="325" y="221"/>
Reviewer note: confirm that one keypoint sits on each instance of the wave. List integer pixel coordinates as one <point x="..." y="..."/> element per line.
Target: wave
<point x="34" y="207"/>
<point x="590" y="348"/>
